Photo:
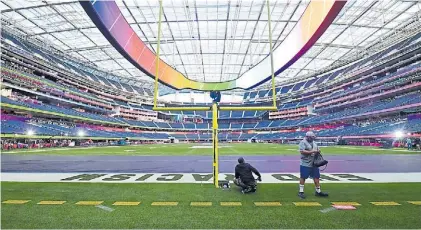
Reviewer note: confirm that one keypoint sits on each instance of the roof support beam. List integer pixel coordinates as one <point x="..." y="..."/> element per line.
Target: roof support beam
<point x="226" y="53"/>
<point x="220" y="39"/>
<point x="252" y="35"/>
<point x="225" y="39"/>
<point x="172" y="35"/>
<point x="218" y="20"/>
<point x="68" y="21"/>
<point x="391" y="20"/>
<point x="186" y="21"/>
<point x="275" y="45"/>
<point x="34" y="24"/>
<point x="339" y="34"/>
<point x="131" y="14"/>
<point x="198" y="34"/>
<point x="34" y="7"/>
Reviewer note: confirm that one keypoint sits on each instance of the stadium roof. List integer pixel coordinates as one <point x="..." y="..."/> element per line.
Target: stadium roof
<point x="209" y="40"/>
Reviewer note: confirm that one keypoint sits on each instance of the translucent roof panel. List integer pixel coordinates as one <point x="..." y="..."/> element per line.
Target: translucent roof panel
<point x="208" y="40"/>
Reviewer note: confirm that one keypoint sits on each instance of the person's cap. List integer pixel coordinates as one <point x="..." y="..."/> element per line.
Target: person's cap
<point x="240" y="160"/>
<point x="310" y="134"/>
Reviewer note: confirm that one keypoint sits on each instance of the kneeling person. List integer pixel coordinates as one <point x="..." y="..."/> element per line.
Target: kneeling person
<point x="244" y="176"/>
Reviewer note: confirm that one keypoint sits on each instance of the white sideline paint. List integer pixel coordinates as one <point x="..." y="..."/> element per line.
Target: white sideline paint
<point x="269" y="178"/>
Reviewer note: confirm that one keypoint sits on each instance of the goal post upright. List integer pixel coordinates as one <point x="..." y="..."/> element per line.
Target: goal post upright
<point x="215" y="144"/>
<point x="260" y="108"/>
<point x="155" y="93"/>
<point x="214" y="108"/>
<point x="271" y="57"/>
<point x="157" y="58"/>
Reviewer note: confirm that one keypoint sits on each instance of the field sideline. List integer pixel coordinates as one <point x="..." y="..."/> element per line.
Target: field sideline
<point x="198" y="149"/>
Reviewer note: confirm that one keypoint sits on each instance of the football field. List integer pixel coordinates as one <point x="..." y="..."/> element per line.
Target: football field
<point x="205" y="149"/>
<point x="169" y="186"/>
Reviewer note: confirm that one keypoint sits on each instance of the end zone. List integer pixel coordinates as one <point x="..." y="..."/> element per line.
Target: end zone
<point x="269" y="178"/>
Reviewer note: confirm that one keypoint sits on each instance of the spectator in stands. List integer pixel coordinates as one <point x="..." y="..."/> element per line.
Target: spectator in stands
<point x="409" y="143"/>
<point x="308" y="149"/>
<point x="244" y="176"/>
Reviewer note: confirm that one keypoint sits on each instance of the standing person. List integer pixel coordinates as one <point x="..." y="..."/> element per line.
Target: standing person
<point x="244" y="176"/>
<point x="308" y="149"/>
<point x="409" y="143"/>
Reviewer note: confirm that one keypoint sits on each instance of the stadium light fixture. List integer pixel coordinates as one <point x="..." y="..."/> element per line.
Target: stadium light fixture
<point x="81" y="133"/>
<point x="398" y="134"/>
<point x="30" y="132"/>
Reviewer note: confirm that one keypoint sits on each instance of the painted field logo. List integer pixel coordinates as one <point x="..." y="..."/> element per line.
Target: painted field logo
<point x="195" y="178"/>
<point x="204" y="177"/>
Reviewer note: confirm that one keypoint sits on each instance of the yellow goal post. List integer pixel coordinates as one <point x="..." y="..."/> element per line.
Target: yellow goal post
<point x="214" y="108"/>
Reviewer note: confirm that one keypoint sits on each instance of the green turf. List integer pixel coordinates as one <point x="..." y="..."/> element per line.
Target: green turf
<point x="69" y="215"/>
<point x="225" y="149"/>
